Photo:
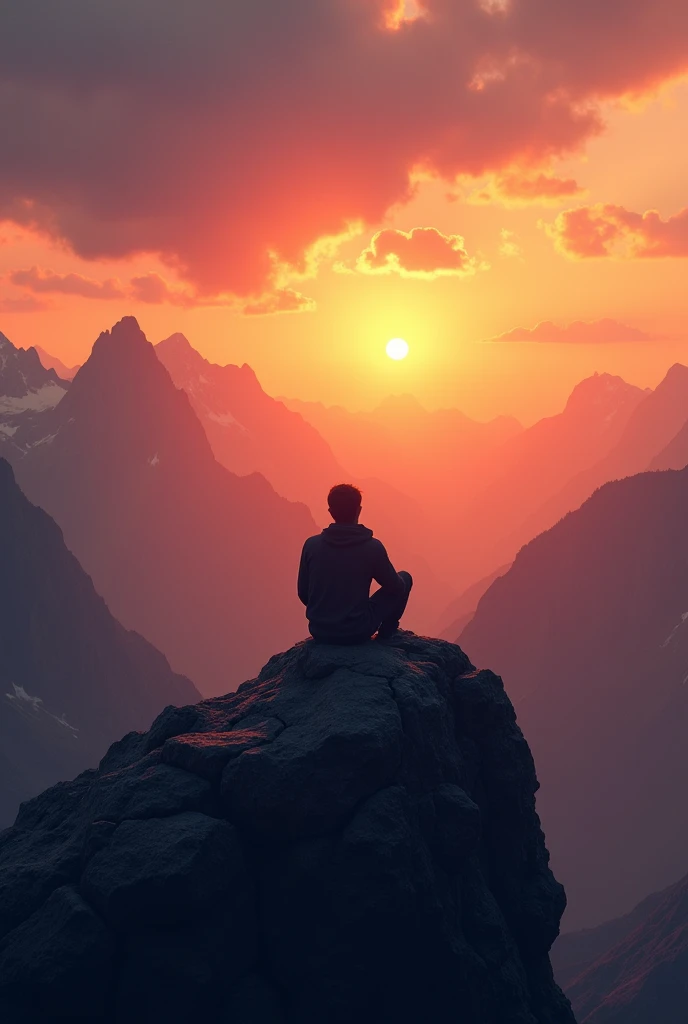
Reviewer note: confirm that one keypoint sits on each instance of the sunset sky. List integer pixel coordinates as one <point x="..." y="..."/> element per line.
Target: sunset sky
<point x="291" y="185"/>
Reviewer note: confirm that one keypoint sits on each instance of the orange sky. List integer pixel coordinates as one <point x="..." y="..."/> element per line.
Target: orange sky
<point x="513" y="274"/>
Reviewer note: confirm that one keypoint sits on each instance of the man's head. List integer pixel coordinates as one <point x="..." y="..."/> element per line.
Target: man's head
<point x="344" y="503"/>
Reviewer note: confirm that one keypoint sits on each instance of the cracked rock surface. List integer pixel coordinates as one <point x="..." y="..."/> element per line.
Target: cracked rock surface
<point x="351" y="838"/>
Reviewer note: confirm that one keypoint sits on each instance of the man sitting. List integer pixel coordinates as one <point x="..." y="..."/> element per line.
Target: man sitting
<point x="336" y="571"/>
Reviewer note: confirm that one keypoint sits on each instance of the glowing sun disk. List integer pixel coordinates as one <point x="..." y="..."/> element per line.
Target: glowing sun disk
<point x="397" y="348"/>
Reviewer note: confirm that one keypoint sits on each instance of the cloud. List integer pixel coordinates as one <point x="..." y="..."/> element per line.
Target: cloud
<point x="606" y="230"/>
<point x="23" y="304"/>
<point x="422" y="252"/>
<point x="517" y="188"/>
<point x="155" y="290"/>
<point x="235" y="135"/>
<point x="509" y="247"/>
<point x="150" y="288"/>
<point x="580" y="332"/>
<point x="48" y="282"/>
<point x="282" y="300"/>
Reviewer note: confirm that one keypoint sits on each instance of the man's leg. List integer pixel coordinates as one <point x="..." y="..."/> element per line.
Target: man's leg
<point x="388" y="608"/>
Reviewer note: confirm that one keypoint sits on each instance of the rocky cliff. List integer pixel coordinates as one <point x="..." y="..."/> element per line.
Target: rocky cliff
<point x="351" y="836"/>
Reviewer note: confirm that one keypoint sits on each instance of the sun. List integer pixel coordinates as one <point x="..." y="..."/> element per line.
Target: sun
<point x="397" y="348"/>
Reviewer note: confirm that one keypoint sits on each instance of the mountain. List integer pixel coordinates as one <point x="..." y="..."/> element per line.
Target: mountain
<point x="71" y="677"/>
<point x="651" y="427"/>
<point x="675" y="454"/>
<point x="351" y="836"/>
<point x="637" y="971"/>
<point x="459" y="612"/>
<point x="53" y="363"/>
<point x="537" y="463"/>
<point x="27" y="391"/>
<point x="200" y="561"/>
<point x="590" y="627"/>
<point x="250" y="432"/>
<point x="433" y="453"/>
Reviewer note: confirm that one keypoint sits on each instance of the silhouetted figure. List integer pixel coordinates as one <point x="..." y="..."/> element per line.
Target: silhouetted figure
<point x="336" y="571"/>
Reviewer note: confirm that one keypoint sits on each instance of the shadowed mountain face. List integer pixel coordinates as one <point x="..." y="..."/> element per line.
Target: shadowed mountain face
<point x="633" y="970"/>
<point x="71" y="678"/>
<point x="27" y="391"/>
<point x="200" y="561"/>
<point x="351" y="836"/>
<point x="590" y="628"/>
<point x="251" y="432"/>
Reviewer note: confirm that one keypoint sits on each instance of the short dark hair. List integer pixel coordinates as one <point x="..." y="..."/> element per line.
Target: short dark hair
<point x="344" y="501"/>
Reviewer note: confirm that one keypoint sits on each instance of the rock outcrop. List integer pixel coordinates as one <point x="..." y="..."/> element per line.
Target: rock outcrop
<point x="351" y="836"/>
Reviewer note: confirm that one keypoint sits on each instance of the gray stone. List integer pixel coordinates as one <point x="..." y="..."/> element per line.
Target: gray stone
<point x="206" y="753"/>
<point x="58" y="964"/>
<point x="164" y="870"/>
<point x="346" y="744"/>
<point x="384" y="860"/>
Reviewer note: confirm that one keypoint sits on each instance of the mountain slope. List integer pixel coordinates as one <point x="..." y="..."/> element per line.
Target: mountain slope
<point x="651" y="427"/>
<point x="200" y="561"/>
<point x="536" y="464"/>
<point x="675" y="454"/>
<point x="590" y="627"/>
<point x="53" y="363"/>
<point x="642" y="978"/>
<point x="350" y="837"/>
<point x="71" y="678"/>
<point x="249" y="431"/>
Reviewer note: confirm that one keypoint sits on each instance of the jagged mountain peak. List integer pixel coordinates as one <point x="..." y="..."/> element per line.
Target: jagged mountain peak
<point x="599" y="384"/>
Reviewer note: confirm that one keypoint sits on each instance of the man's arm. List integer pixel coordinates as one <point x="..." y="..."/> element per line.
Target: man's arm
<point x="302" y="583"/>
<point x="384" y="572"/>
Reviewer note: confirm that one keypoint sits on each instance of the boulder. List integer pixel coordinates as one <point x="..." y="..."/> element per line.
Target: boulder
<point x="58" y="964"/>
<point x="351" y="836"/>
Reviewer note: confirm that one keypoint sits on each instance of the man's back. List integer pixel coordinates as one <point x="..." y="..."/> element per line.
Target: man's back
<point x="336" y="571"/>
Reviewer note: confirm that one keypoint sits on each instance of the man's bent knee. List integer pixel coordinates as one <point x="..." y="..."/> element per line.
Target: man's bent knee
<point x="407" y="578"/>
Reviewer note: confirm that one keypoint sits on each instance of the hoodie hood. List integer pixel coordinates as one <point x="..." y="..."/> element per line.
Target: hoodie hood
<point x="346" y="535"/>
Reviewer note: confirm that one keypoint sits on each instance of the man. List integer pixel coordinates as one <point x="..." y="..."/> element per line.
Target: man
<point x="336" y="571"/>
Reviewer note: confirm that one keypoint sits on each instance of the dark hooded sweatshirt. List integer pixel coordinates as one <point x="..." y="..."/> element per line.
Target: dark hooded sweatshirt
<point x="336" y="571"/>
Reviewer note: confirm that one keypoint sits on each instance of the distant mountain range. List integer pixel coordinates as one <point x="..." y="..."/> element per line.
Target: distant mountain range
<point x="53" y="363"/>
<point x="536" y="464"/>
<point x="72" y="679"/>
<point x="589" y="628"/>
<point x="649" y="431"/>
<point x="633" y="970"/>
<point x="251" y="432"/>
<point x="197" y="559"/>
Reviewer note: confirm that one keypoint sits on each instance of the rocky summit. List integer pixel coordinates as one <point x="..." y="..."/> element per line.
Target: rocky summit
<point x="351" y="837"/>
